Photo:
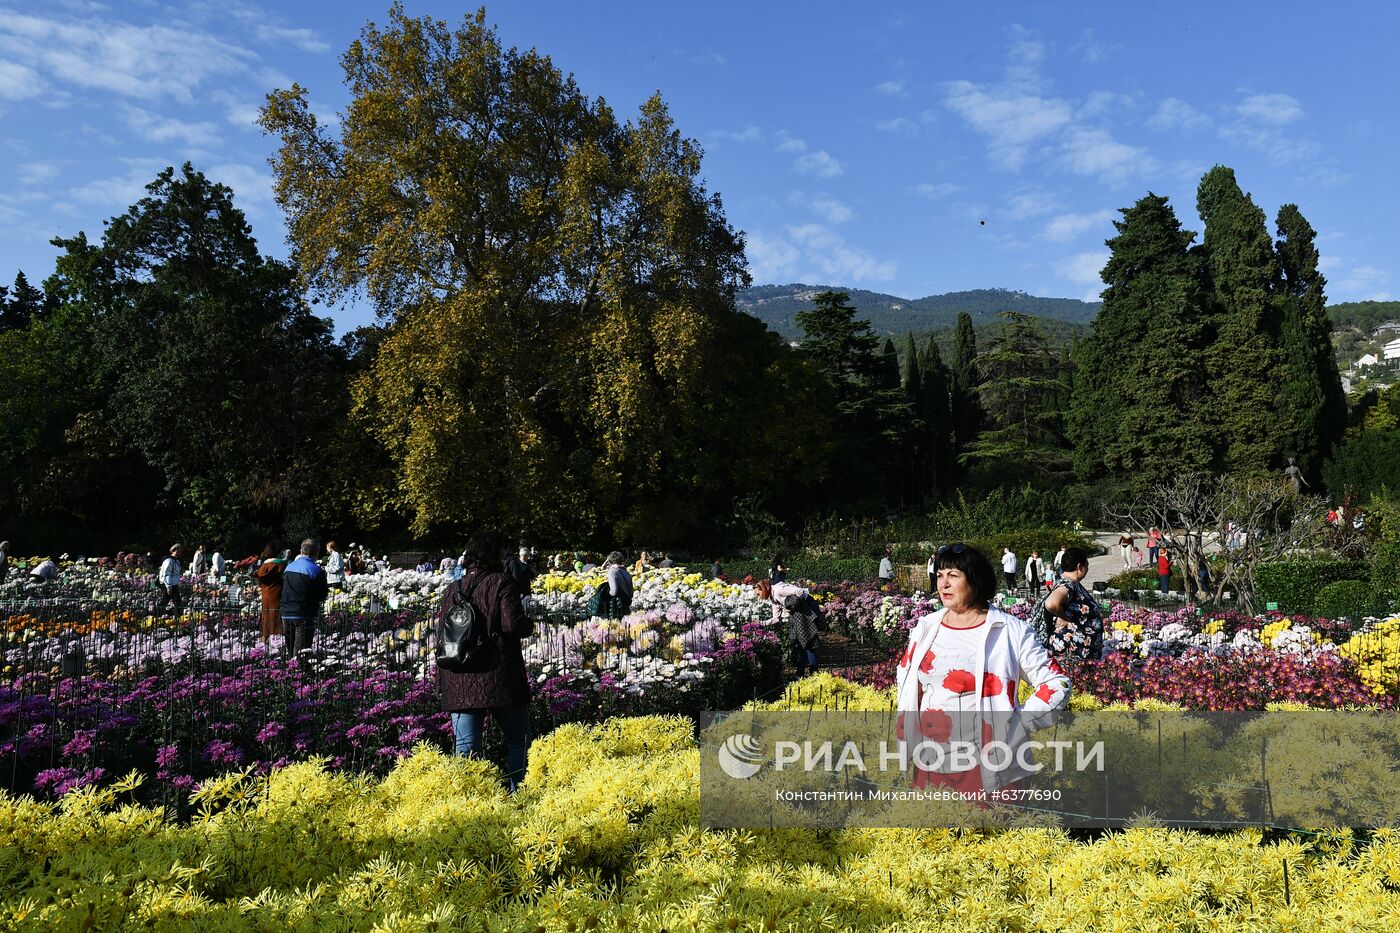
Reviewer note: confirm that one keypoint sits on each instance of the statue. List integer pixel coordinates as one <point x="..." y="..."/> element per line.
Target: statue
<point x="1295" y="476"/>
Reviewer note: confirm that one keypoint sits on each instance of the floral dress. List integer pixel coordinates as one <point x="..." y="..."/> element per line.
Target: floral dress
<point x="1080" y="636"/>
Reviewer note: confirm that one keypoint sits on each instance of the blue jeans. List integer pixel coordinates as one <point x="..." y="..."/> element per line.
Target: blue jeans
<point x="514" y="722"/>
<point x="1164" y="581"/>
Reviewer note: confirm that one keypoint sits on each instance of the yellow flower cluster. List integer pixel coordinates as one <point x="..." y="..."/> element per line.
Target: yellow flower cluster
<point x="556" y="581"/>
<point x="1377" y="656"/>
<point x="1132" y="628"/>
<point x="603" y="836"/>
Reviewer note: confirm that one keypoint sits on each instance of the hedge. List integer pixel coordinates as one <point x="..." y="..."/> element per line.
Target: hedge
<point x="832" y="569"/>
<point x="829" y="569"/>
<point x="1347" y="599"/>
<point x="1296" y="585"/>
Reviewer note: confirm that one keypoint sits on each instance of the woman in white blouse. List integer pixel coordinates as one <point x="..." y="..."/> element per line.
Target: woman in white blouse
<point x="958" y="677"/>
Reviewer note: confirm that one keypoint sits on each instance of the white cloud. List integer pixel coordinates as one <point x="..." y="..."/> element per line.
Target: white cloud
<point x="1101" y="102"/>
<point x="117" y="192"/>
<point x="1024" y="59"/>
<point x="305" y="39"/>
<point x="813" y="252"/>
<point x="1083" y="268"/>
<point x="1011" y="121"/>
<point x="892" y="88"/>
<point x="1031" y="204"/>
<point x="789" y="143"/>
<point x="1089" y="151"/>
<point x="252" y="188"/>
<point x="1173" y="114"/>
<point x="823" y="205"/>
<point x="771" y="259"/>
<point x="36" y="173"/>
<point x="239" y="111"/>
<point x="1090" y="50"/>
<point x="819" y="164"/>
<point x="1259" y="124"/>
<point x="18" y="82"/>
<point x="1363" y="282"/>
<point x="902" y="125"/>
<point x="158" y="129"/>
<point x="936" y="192"/>
<point x="1020" y="114"/>
<point x="749" y="134"/>
<point x="145" y="62"/>
<point x="709" y="59"/>
<point x="1067" y="227"/>
<point x="1271" y="109"/>
<point x="836" y="260"/>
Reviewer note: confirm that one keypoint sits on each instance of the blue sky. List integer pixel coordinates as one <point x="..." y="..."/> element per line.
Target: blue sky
<point x="860" y="145"/>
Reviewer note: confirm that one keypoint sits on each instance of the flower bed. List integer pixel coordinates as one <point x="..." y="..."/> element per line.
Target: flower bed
<point x="604" y="836"/>
<point x="86" y="702"/>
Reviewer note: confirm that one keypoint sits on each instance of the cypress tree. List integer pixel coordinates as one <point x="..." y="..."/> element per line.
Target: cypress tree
<point x="1313" y="393"/>
<point x="1137" y="407"/>
<point x="1245" y="361"/>
<point x="889" y="366"/>
<point x="913" y="451"/>
<point x="936" y="411"/>
<point x="967" y="414"/>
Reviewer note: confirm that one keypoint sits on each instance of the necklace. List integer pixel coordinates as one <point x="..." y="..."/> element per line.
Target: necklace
<point x="980" y="616"/>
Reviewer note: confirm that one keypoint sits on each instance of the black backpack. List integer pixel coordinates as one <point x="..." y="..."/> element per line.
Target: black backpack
<point x="463" y="643"/>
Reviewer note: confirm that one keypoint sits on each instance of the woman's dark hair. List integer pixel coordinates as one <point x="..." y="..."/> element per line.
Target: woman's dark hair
<point x="485" y="549"/>
<point x="1074" y="558"/>
<point x="777" y="561"/>
<point x="974" y="566"/>
<point x="270" y="550"/>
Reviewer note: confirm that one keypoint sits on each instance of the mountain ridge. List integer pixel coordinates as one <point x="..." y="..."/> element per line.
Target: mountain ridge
<point x="777" y="306"/>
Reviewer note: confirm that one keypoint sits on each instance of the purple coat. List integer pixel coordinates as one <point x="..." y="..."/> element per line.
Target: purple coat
<point x="497" y="598"/>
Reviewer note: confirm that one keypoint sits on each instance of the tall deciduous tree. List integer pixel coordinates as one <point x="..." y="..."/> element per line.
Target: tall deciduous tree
<point x="1139" y="406"/>
<point x="1313" y="394"/>
<point x="559" y="288"/>
<point x="214" y="369"/>
<point x="1245" y="361"/>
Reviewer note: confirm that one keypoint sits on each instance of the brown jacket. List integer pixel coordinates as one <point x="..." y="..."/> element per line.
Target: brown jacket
<point x="497" y="598"/>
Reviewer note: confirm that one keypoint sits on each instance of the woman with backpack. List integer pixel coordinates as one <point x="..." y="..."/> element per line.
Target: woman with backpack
<point x="794" y="605"/>
<point x="496" y="684"/>
<point x="1072" y="619"/>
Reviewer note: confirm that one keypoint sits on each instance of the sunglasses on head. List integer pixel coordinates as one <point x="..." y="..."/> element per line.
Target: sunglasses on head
<point x="952" y="549"/>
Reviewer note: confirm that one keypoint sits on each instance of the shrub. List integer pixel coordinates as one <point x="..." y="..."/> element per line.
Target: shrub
<point x="1145" y="578"/>
<point x="1383" y="521"/>
<point x="1295" y="585"/>
<point x="1347" y="598"/>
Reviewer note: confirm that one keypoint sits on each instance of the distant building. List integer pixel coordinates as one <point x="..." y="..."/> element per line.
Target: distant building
<point x="1368" y="360"/>
<point x="1388" y="325"/>
<point x="1391" y="351"/>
